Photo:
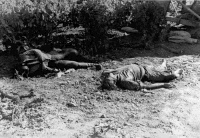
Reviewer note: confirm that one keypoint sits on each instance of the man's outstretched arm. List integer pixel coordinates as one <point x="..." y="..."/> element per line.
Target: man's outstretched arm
<point x="156" y="86"/>
<point x="138" y="85"/>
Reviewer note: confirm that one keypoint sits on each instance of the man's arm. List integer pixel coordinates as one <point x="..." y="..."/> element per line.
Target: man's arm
<point x="138" y="85"/>
<point x="41" y="55"/>
<point x="156" y="86"/>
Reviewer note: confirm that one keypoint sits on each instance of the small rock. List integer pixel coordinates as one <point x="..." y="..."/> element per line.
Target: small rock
<point x="71" y="104"/>
<point x="103" y="116"/>
<point x="40" y="129"/>
<point x="99" y="93"/>
<point x="127" y="124"/>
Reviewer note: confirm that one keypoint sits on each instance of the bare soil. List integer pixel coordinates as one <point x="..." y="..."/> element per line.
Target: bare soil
<point x="74" y="106"/>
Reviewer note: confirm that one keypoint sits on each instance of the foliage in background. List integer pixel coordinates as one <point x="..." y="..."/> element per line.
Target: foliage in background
<point x="37" y="24"/>
<point x="95" y="18"/>
<point x="33" y="25"/>
<point x="121" y="14"/>
<point x="148" y="17"/>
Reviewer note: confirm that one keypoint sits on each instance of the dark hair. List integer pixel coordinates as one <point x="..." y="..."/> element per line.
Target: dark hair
<point x="109" y="83"/>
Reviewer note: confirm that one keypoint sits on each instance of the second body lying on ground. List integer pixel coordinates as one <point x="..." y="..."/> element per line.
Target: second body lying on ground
<point x="132" y="77"/>
<point x="35" y="61"/>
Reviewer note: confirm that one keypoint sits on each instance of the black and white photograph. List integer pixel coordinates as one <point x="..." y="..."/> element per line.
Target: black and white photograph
<point x="99" y="68"/>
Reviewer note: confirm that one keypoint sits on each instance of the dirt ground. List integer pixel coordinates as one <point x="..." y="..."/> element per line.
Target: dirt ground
<point x="73" y="106"/>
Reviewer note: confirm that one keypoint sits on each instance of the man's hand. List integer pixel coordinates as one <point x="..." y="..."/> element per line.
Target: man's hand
<point x="56" y="70"/>
<point x="168" y="85"/>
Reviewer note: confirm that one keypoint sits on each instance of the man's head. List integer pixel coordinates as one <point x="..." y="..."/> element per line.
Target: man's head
<point x="108" y="80"/>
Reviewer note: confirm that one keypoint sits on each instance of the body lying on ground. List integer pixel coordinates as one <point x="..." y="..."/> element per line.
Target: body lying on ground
<point x="35" y="61"/>
<point x="132" y="76"/>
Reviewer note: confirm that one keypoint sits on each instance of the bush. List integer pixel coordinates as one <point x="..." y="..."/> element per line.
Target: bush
<point x="36" y="25"/>
<point x="96" y="20"/>
<point x="121" y="14"/>
<point x="149" y="18"/>
<point x="10" y="26"/>
<point x="33" y="26"/>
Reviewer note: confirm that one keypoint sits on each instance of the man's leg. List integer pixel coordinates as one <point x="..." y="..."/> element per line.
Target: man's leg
<point x="155" y="75"/>
<point x="169" y="76"/>
<point x="74" y="55"/>
<point x="46" y="69"/>
<point x="70" y="54"/>
<point x="67" y="64"/>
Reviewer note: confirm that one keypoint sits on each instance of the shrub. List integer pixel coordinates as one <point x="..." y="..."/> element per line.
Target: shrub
<point x="33" y="26"/>
<point x="10" y="26"/>
<point x="95" y="18"/>
<point x="121" y="14"/>
<point x="37" y="24"/>
<point x="149" y="18"/>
